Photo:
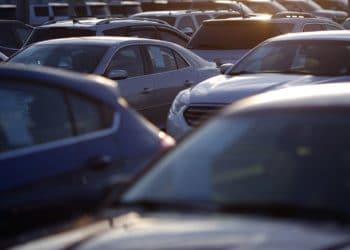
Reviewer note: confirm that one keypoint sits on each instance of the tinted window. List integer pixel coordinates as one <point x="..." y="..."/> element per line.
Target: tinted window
<point x="162" y="59"/>
<point x="201" y="18"/>
<point x="75" y="57"/>
<point x="299" y="159"/>
<point x="236" y="35"/>
<point x="31" y="115"/>
<point x="116" y="32"/>
<point x="43" y="34"/>
<point x="172" y="37"/>
<point x="331" y="27"/>
<point x="81" y="10"/>
<point x="88" y="115"/>
<point x="181" y="63"/>
<point x="41" y="11"/>
<point x="292" y="6"/>
<point x="143" y="32"/>
<point x="128" y="59"/>
<point x="60" y="10"/>
<point x="99" y="10"/>
<point x="169" y="19"/>
<point x="298" y="57"/>
<point x="186" y="22"/>
<point x="9" y="40"/>
<point x="8" y="13"/>
<point x="312" y="27"/>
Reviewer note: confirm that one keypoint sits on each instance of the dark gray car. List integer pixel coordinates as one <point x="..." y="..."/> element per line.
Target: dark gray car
<point x="150" y="72"/>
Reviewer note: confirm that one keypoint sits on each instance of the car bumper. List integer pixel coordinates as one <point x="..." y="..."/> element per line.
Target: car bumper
<point x="176" y="125"/>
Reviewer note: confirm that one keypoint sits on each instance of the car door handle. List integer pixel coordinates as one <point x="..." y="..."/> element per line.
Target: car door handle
<point x="146" y="91"/>
<point x="100" y="162"/>
<point x="188" y="83"/>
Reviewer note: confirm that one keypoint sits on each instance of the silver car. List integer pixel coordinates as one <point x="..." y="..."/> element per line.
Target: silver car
<point x="150" y="72"/>
<point x="281" y="62"/>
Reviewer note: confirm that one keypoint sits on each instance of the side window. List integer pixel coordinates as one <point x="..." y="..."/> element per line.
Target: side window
<point x="115" y="32"/>
<point x="128" y="59"/>
<point x="162" y="59"/>
<point x="312" y="27"/>
<point x="88" y="115"/>
<point x="201" y="18"/>
<point x="172" y="37"/>
<point x="292" y="6"/>
<point x="143" y="32"/>
<point x="186" y="22"/>
<point x="181" y="63"/>
<point x="31" y="115"/>
<point x="330" y="27"/>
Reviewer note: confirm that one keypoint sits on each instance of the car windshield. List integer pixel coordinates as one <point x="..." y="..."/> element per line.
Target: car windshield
<point x="43" y="34"/>
<point x="226" y="35"/>
<point x="298" y="158"/>
<point x="325" y="58"/>
<point x="75" y="57"/>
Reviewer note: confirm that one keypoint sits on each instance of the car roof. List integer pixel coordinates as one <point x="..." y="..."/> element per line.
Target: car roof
<point x="93" y="22"/>
<point x="298" y="98"/>
<point x="97" y="87"/>
<point x="338" y="35"/>
<point x="97" y="40"/>
<point x="175" y="12"/>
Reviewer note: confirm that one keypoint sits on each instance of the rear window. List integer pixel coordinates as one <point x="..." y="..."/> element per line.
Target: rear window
<point x="41" y="11"/>
<point x="60" y="10"/>
<point x="43" y="34"/>
<point x="238" y="35"/>
<point x="169" y="19"/>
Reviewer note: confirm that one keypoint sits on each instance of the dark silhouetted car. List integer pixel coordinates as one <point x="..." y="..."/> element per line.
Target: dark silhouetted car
<point x="272" y="172"/>
<point x="65" y="140"/>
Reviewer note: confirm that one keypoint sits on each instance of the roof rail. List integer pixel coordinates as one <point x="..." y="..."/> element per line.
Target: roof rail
<point x="293" y="14"/>
<point x="109" y="20"/>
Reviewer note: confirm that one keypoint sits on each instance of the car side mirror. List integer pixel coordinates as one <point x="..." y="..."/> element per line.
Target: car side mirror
<point x="224" y="67"/>
<point x="188" y="31"/>
<point x="117" y="74"/>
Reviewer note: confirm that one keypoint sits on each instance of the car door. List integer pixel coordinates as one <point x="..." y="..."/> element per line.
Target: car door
<point x="138" y="87"/>
<point x="171" y="73"/>
<point x="54" y="141"/>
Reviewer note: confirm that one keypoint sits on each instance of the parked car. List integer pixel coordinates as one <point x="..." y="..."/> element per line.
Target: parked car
<point x="150" y="72"/>
<point x="226" y="41"/>
<point x="15" y="34"/>
<point x="280" y="62"/>
<point x="196" y="5"/>
<point x="341" y="5"/>
<point x="92" y="9"/>
<point x="312" y="7"/>
<point x="124" y="8"/>
<point x="136" y="27"/>
<point x="8" y="12"/>
<point x="185" y="20"/>
<point x="264" y="6"/>
<point x="42" y="13"/>
<point x="271" y="173"/>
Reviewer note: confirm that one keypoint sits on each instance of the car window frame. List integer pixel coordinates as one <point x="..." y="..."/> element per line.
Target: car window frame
<point x="75" y="138"/>
<point x="149" y="61"/>
<point x="144" y="61"/>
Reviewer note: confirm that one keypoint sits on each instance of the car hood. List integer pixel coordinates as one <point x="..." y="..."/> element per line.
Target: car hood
<point x="227" y="89"/>
<point x="221" y="56"/>
<point x="200" y="231"/>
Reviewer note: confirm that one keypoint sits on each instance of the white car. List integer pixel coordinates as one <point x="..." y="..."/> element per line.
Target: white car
<point x="280" y="62"/>
<point x="227" y="40"/>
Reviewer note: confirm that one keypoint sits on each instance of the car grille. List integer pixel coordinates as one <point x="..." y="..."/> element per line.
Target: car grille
<point x="196" y="115"/>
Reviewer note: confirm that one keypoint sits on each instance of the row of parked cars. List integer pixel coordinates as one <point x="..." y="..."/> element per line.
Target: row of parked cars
<point x="269" y="172"/>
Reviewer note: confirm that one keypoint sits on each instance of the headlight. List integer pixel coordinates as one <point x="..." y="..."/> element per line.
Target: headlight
<point x="181" y="100"/>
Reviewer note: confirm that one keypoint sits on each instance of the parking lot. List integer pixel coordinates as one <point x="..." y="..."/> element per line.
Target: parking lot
<point x="177" y="124"/>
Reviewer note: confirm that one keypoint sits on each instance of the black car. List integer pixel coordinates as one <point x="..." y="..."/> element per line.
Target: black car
<point x="136" y="27"/>
<point x="272" y="172"/>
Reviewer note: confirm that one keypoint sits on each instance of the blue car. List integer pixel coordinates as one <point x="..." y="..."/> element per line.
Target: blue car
<point x="66" y="140"/>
